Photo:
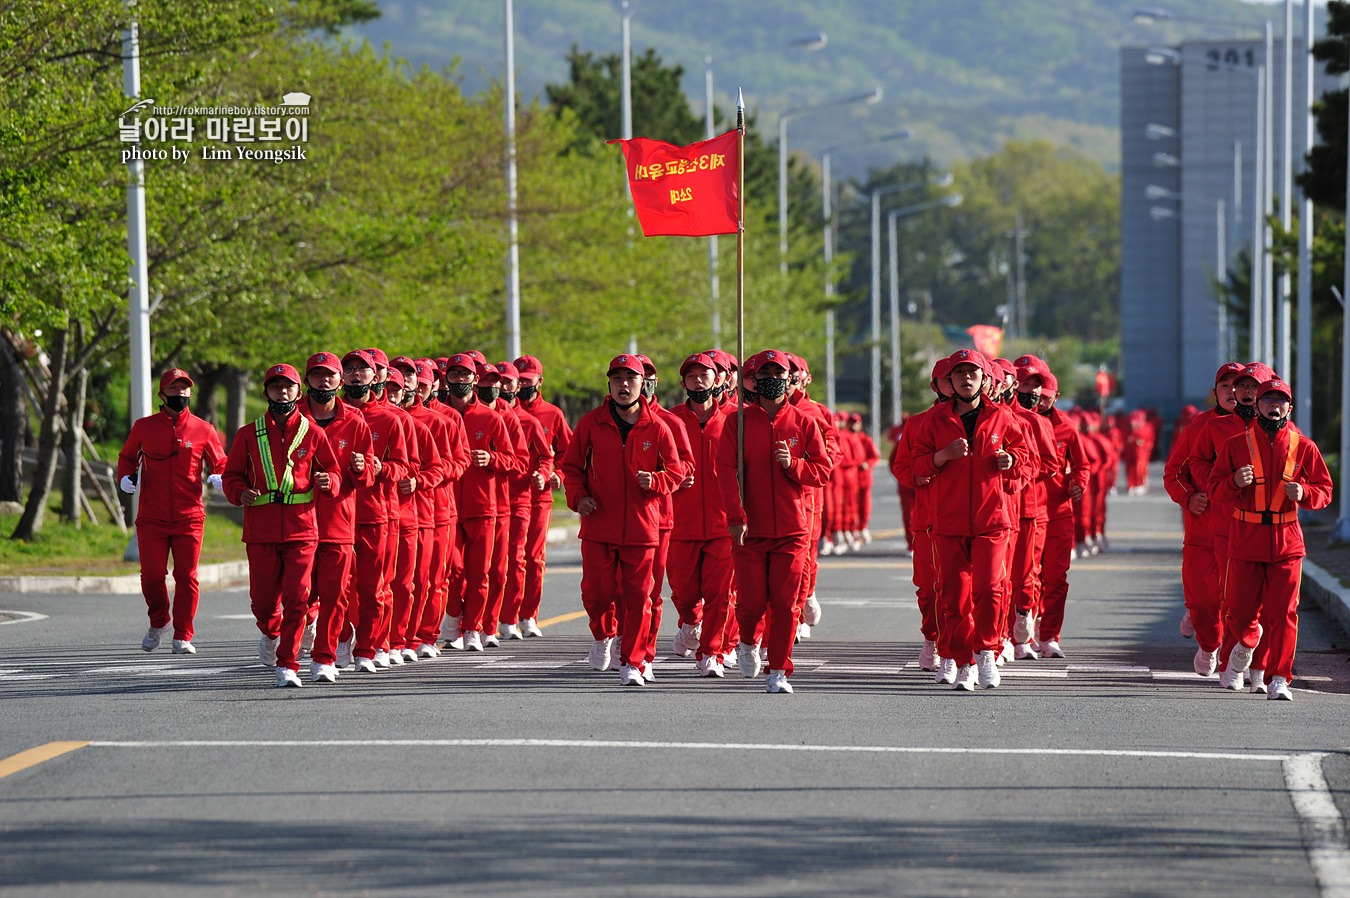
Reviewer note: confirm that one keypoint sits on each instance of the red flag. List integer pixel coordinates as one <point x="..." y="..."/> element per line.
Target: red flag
<point x="986" y="338"/>
<point x="1106" y="383"/>
<point x="683" y="191"/>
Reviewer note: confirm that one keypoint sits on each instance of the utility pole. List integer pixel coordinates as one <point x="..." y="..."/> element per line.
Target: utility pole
<point x="1019" y="249"/>
<point x="512" y="225"/>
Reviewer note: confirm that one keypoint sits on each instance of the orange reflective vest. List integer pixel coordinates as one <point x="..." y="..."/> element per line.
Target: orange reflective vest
<point x="1269" y="513"/>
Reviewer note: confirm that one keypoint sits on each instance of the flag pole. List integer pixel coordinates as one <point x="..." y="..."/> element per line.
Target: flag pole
<point x="740" y="289"/>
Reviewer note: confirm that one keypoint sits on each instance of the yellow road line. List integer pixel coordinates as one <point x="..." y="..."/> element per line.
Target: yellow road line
<point x="890" y="565"/>
<point x="560" y="619"/>
<point x="34" y="756"/>
<point x="562" y="569"/>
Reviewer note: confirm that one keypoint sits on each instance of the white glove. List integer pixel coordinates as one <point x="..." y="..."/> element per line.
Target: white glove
<point x="127" y="485"/>
<point x="214" y="482"/>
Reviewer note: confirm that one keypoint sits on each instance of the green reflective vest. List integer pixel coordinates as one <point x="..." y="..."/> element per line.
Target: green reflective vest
<point x="283" y="490"/>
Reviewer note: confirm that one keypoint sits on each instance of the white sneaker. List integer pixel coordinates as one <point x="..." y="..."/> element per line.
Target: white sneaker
<point x="342" y="657"/>
<point x="1051" y="649"/>
<point x="811" y="613"/>
<point x="155" y="635"/>
<point x="686" y="639"/>
<point x="473" y="641"/>
<point x="851" y="541"/>
<point x="777" y="682"/>
<point x="946" y="672"/>
<point x="1081" y="551"/>
<point x="267" y="651"/>
<point x="490" y="641"/>
<point x="615" y="653"/>
<point x="183" y="647"/>
<point x="1232" y="679"/>
<point x="988" y="670"/>
<point x="840" y="548"/>
<point x="409" y="656"/>
<point x="825" y="548"/>
<point x="1095" y="546"/>
<point x="511" y="631"/>
<point x="1240" y="658"/>
<point x="1258" y="681"/>
<point x="366" y="665"/>
<point x="598" y="657"/>
<point x="1279" y="690"/>
<point x="451" y="629"/>
<point x="307" y="641"/>
<point x="709" y="666"/>
<point x="748" y="660"/>
<point x="427" y="650"/>
<point x="928" y="656"/>
<point x="631" y="676"/>
<point x="1023" y="651"/>
<point x="530" y="627"/>
<point x="1206" y="662"/>
<point x="1022" y="628"/>
<point x="381" y="659"/>
<point x="322" y="673"/>
<point x="457" y="643"/>
<point x="803" y="630"/>
<point x="648" y="672"/>
<point x="1006" y="654"/>
<point x="288" y="677"/>
<point x="729" y="657"/>
<point x="866" y="536"/>
<point x="395" y="657"/>
<point x="1187" y="628"/>
<point x="966" y="678"/>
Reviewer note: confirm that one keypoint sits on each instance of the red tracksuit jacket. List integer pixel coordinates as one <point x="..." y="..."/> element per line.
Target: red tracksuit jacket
<point x="403" y="509"/>
<point x="1179" y="483"/>
<point x="686" y="452"/>
<point x="347" y="434"/>
<point x="539" y="457"/>
<point x="1072" y="463"/>
<point x="432" y="472"/>
<point x="1044" y="466"/>
<point x="556" y="433"/>
<point x="1255" y="541"/>
<point x="968" y="492"/>
<point x="699" y="514"/>
<point x="599" y="463"/>
<point x="386" y="440"/>
<point x="902" y="466"/>
<point x="777" y="503"/>
<point x="448" y="432"/>
<point x="1204" y="450"/>
<point x="476" y="491"/>
<point x="170" y="450"/>
<point x="276" y="522"/>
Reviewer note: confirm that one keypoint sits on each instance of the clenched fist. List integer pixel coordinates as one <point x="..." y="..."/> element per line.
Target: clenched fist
<point x="645" y="479"/>
<point x="1294" y="491"/>
<point x="1198" y="503"/>
<point x="954" y="450"/>
<point x="480" y="457"/>
<point x="1003" y="460"/>
<point x="782" y="453"/>
<point x="1243" y="476"/>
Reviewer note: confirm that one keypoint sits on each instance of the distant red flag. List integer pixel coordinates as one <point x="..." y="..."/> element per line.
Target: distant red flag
<point x="986" y="338"/>
<point x="683" y="191"/>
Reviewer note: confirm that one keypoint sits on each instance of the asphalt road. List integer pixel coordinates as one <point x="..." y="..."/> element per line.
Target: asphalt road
<point x="1114" y="771"/>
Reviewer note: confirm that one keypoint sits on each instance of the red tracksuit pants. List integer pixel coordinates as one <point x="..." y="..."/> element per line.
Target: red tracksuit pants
<point x="616" y="591"/>
<point x="408" y="614"/>
<point x="399" y="609"/>
<point x="469" y="572"/>
<point x="497" y="571"/>
<point x="1026" y="565"/>
<point x="864" y="501"/>
<point x="658" y="576"/>
<point x="365" y="614"/>
<point x="155" y="544"/>
<point x="1264" y="594"/>
<point x="971" y="573"/>
<point x="536" y="547"/>
<point x="333" y="566"/>
<point x="1200" y="585"/>
<point x="514" y="596"/>
<point x="429" y="628"/>
<point x="1059" y="543"/>
<point x="278" y="588"/>
<point x="926" y="579"/>
<point x="1219" y="537"/>
<point x="700" y="589"/>
<point x="907" y="515"/>
<point x="812" y="572"/>
<point x="768" y="576"/>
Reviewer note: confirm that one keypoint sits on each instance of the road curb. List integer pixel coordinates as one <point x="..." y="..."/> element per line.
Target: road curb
<point x="1327" y="592"/>
<point x="209" y="576"/>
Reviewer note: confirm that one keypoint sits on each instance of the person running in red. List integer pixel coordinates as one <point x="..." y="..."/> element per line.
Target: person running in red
<point x="1035" y="518"/>
<point x="968" y="449"/>
<point x="335" y="556"/>
<point x="620" y="462"/>
<point x="769" y="512"/>
<point x="557" y="434"/>
<point x="808" y="605"/>
<point x="274" y="467"/>
<point x="868" y="456"/>
<point x="1266" y="474"/>
<point x="489" y="392"/>
<point x="1199" y="570"/>
<point x="164" y="457"/>
<point x="700" y="545"/>
<point x="538" y="461"/>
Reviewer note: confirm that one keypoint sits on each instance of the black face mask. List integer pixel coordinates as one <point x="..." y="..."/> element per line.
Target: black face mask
<point x="526" y="392"/>
<point x="176" y="404"/>
<point x="379" y="389"/>
<point x="699" y="396"/>
<point x="459" y="391"/>
<point x="1272" y="426"/>
<point x="1245" y="412"/>
<point x="488" y="395"/>
<point x="443" y="396"/>
<point x="509" y="397"/>
<point x="1044" y="412"/>
<point x="323" y="397"/>
<point x="280" y="410"/>
<point x="1027" y="400"/>
<point x="355" y="392"/>
<point x="770" y="387"/>
<point x="649" y="387"/>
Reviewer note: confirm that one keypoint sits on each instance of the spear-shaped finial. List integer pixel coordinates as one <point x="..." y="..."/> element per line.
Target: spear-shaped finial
<point x="740" y="99"/>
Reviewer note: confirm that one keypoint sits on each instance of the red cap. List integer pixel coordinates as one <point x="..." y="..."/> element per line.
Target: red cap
<point x="381" y="360"/>
<point x="648" y="368"/>
<point x="625" y="363"/>
<point x="477" y="356"/>
<point x="172" y="375"/>
<point x="1025" y="361"/>
<point x="396" y="378"/>
<point x="440" y="363"/>
<point x="287" y="372"/>
<point x="461" y="360"/>
<point x="701" y="359"/>
<point x="854" y="417"/>
<point x="768" y="357"/>
<point x="528" y="366"/>
<point x="488" y="374"/>
<point x="895" y="433"/>
<point x="1275" y="385"/>
<point x="361" y="355"/>
<point x="1048" y="383"/>
<point x="802" y="364"/>
<point x="427" y="371"/>
<point x="1258" y="372"/>
<point x="728" y="360"/>
<point x="1006" y="367"/>
<point x="405" y="363"/>
<point x="795" y="362"/>
<point x="969" y="357"/>
<point x="941" y="368"/>
<point x="1034" y="369"/>
<point x="324" y="361"/>
<point x="1231" y="371"/>
<point x="508" y="371"/>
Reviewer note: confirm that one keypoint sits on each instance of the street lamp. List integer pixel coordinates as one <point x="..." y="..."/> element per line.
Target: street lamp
<point x="626" y="13"/>
<point x="872" y="96"/>
<point x="892" y="217"/>
<point x="827" y="198"/>
<point x="813" y="43"/>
